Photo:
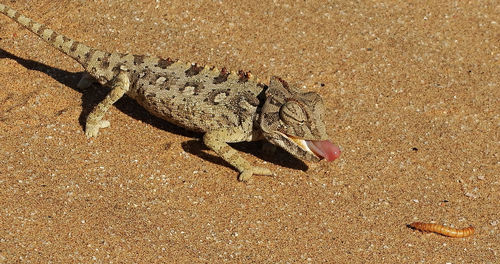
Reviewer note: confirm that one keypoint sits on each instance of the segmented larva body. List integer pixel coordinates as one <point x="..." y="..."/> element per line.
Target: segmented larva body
<point x="443" y="230"/>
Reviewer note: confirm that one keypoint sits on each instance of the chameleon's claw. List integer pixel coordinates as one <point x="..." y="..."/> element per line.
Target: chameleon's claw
<point x="91" y="130"/>
<point x="247" y="174"/>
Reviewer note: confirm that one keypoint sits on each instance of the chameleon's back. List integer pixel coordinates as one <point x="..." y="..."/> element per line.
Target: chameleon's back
<point x="194" y="97"/>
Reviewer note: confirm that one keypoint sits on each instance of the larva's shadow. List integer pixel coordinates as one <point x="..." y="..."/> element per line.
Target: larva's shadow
<point x="95" y="94"/>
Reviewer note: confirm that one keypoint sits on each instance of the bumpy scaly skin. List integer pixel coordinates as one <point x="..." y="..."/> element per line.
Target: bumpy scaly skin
<point x="227" y="106"/>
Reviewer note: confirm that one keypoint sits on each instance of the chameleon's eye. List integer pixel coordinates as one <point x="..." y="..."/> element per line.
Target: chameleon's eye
<point x="292" y="113"/>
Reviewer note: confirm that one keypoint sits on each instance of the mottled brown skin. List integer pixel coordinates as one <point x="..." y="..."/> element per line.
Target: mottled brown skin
<point x="443" y="230"/>
<point x="227" y="106"/>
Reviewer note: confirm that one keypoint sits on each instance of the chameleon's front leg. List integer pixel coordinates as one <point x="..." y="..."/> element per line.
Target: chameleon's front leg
<point x="119" y="86"/>
<point x="217" y="141"/>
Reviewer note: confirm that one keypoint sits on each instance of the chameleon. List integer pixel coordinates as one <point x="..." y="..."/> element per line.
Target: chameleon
<point x="226" y="106"/>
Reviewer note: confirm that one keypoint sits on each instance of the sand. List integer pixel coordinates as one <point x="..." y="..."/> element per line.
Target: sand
<point x="412" y="97"/>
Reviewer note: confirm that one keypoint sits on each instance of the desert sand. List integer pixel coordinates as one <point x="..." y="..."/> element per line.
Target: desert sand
<point x="412" y="96"/>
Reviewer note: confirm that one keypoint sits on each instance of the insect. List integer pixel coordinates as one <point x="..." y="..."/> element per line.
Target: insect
<point x="443" y="230"/>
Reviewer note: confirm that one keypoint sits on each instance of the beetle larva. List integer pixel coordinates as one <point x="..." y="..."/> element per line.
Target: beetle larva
<point x="443" y="230"/>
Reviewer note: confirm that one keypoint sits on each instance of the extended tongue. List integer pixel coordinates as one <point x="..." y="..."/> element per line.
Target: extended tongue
<point x="324" y="149"/>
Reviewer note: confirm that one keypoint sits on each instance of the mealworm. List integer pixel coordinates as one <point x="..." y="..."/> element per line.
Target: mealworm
<point x="443" y="230"/>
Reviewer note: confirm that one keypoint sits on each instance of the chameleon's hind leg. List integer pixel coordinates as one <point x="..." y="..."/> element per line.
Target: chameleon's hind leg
<point x="119" y="86"/>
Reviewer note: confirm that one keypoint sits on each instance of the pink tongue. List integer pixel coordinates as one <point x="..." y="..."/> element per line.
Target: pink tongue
<point x="324" y="149"/>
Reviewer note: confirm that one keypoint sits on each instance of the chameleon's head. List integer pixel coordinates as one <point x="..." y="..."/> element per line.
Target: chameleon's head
<point x="294" y="121"/>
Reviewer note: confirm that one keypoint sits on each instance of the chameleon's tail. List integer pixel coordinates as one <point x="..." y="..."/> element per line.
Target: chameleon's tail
<point x="83" y="54"/>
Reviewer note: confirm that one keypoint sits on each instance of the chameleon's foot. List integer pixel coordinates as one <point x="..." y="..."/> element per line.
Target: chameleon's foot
<point x="119" y="86"/>
<point x="91" y="130"/>
<point x="247" y="174"/>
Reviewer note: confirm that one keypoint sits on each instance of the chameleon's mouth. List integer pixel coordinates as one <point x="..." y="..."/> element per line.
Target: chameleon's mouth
<point x="310" y="150"/>
<point x="323" y="149"/>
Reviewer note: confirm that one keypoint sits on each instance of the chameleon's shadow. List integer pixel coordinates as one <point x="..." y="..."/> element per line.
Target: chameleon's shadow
<point x="279" y="156"/>
<point x="96" y="93"/>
